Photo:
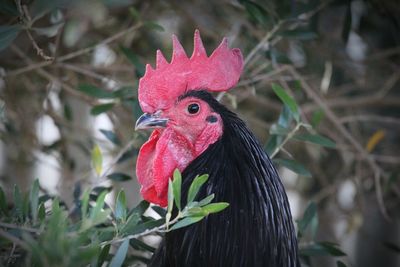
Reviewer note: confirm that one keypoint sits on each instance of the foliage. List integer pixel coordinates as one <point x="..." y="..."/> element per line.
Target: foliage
<point x="48" y="233"/>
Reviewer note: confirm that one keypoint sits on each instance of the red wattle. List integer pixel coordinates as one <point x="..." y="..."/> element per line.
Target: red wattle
<point x="165" y="151"/>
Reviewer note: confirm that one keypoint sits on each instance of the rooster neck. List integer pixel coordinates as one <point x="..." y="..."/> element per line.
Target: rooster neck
<point x="256" y="229"/>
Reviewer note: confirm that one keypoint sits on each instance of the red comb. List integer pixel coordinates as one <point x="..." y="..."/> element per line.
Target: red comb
<point x="159" y="88"/>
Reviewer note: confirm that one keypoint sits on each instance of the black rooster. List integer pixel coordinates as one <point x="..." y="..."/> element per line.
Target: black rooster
<point x="198" y="135"/>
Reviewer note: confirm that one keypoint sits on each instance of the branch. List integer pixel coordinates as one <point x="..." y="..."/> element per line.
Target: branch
<point x="378" y="172"/>
<point x="14" y="239"/>
<point x="39" y="65"/>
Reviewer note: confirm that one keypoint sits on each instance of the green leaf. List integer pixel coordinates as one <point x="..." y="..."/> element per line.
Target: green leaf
<point x="99" y="205"/>
<point x="140" y="228"/>
<point x="120" y="255"/>
<point x="206" y="210"/>
<point x="310" y="217"/>
<point x="135" y="14"/>
<point x="134" y="59"/>
<point x="317" y="117"/>
<point x="49" y="31"/>
<point x="160" y="211"/>
<point x="186" y="222"/>
<point x="85" y="203"/>
<point x="288" y="100"/>
<point x="140" y="208"/>
<point x="340" y="264"/>
<point x="272" y="143"/>
<point x="194" y="188"/>
<point x="119" y="177"/>
<point x="25" y="206"/>
<point x="98" y="109"/>
<point x="315" y="139"/>
<point x="276" y="129"/>
<point x="215" y="207"/>
<point x="97" y="214"/>
<point x="286" y="117"/>
<point x="293" y="166"/>
<point x="130" y="224"/>
<point x="111" y="136"/>
<point x="97" y="160"/>
<point x="34" y="200"/>
<point x="18" y="203"/>
<point x="8" y="35"/>
<point x="176" y="187"/>
<point x="206" y="200"/>
<point x="140" y="245"/>
<point x="256" y="12"/>
<point x="94" y="91"/>
<point x="170" y="197"/>
<point x="103" y="255"/>
<point x="55" y="206"/>
<point x="120" y="206"/>
<point x="125" y="92"/>
<point x="41" y="212"/>
<point x="3" y="202"/>
<point x="332" y="249"/>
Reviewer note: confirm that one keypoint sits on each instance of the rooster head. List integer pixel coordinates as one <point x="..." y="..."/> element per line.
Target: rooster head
<point x="183" y="125"/>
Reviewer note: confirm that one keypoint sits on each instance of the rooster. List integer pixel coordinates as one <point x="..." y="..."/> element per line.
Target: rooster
<point x="196" y="134"/>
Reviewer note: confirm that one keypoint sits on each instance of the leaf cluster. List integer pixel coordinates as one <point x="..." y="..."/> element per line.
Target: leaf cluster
<point x="47" y="232"/>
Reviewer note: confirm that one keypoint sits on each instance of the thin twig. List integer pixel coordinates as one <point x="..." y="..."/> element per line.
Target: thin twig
<point x="13" y="239"/>
<point x="263" y="42"/>
<point x="52" y="78"/>
<point x="159" y="229"/>
<point x="13" y="226"/>
<point x="74" y="54"/>
<point x="39" y="50"/>
<point x="287" y="138"/>
<point x="81" y="70"/>
<point x="372" y="118"/>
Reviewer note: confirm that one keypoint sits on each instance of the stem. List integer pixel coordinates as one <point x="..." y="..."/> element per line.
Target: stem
<point x="288" y="137"/>
<point x="159" y="229"/>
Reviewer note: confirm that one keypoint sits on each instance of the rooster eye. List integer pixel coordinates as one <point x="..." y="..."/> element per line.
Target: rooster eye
<point x="193" y="108"/>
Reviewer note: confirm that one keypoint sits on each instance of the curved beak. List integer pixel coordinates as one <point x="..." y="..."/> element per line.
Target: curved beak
<point x="150" y="121"/>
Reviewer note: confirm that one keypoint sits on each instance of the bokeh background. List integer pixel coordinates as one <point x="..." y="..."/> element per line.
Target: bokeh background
<point x="68" y="83"/>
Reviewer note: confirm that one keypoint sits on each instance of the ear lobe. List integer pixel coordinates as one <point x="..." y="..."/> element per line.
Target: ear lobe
<point x="212" y="119"/>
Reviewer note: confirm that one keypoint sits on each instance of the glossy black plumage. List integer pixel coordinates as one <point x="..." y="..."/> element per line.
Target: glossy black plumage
<point x="256" y="229"/>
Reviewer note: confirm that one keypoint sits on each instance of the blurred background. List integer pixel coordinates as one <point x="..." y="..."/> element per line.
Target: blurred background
<point x="68" y="84"/>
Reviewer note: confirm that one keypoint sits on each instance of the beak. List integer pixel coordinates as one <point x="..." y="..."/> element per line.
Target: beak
<point x="150" y="121"/>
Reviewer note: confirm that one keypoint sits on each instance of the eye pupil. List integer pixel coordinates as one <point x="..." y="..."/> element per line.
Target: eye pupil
<point x="193" y="108"/>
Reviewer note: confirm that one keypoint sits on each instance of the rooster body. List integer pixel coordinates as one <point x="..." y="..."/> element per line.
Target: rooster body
<point x="198" y="135"/>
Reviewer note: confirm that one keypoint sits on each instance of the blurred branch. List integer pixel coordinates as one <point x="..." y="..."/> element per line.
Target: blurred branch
<point x="264" y="42"/>
<point x="13" y="239"/>
<point x="378" y="172"/>
<point x="32" y="66"/>
<point x="84" y="71"/>
<point x="27" y="21"/>
<point x="355" y="102"/>
<point x="51" y="78"/>
<point x="373" y="118"/>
